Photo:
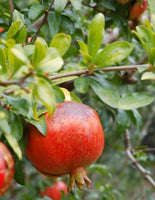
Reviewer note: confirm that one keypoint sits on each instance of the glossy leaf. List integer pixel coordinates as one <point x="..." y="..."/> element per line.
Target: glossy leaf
<point x="148" y="76"/>
<point x="18" y="105"/>
<point x="152" y="56"/>
<point x="16" y="126"/>
<point x="39" y="51"/>
<point x="35" y="11"/>
<point x="21" y="37"/>
<point x="51" y="63"/>
<point x="107" y="92"/>
<point x="60" y="97"/>
<point x="53" y="22"/>
<point x="81" y="85"/>
<point x="84" y="51"/>
<point x="95" y="34"/>
<point x="76" y="4"/>
<point x="14" y="28"/>
<point x="19" y="172"/>
<point x="14" y="145"/>
<point x="17" y="16"/>
<point x="40" y="124"/>
<point x="61" y="42"/>
<point x="59" y="5"/>
<point x="113" y="54"/>
<point x="3" y="66"/>
<point x="45" y="93"/>
<point x="19" y="53"/>
<point x="135" y="100"/>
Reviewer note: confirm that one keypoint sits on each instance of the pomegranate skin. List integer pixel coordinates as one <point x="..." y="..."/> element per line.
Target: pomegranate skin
<point x="137" y="9"/>
<point x="2" y="170"/>
<point x="6" y="168"/>
<point x="55" y="191"/>
<point x="74" y="140"/>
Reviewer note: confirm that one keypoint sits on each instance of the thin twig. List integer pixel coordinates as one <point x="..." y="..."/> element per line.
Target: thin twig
<point x="19" y="82"/>
<point x="42" y="20"/>
<point x="74" y="73"/>
<point x="146" y="150"/>
<point x="107" y="69"/>
<point x="128" y="150"/>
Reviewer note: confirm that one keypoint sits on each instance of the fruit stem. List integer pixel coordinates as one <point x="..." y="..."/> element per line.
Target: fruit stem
<point x="79" y="177"/>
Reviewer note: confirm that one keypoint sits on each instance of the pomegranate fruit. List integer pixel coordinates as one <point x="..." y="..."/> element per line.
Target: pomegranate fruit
<point x="55" y="191"/>
<point x="6" y="168"/>
<point x="137" y="9"/>
<point x="74" y="140"/>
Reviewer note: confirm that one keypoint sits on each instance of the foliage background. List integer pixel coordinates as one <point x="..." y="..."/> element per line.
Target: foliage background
<point x="113" y="175"/>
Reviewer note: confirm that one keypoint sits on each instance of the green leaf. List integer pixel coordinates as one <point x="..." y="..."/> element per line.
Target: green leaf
<point x="40" y="124"/>
<point x="16" y="126"/>
<point x="19" y="172"/>
<point x="148" y="76"/>
<point x="152" y="57"/>
<point x="152" y="13"/>
<point x="135" y="100"/>
<point x="113" y="54"/>
<point x="53" y="23"/>
<point x="45" y="93"/>
<point x="14" y="28"/>
<point x="76" y="4"/>
<point x="39" y="51"/>
<point x="18" y="105"/>
<point x="21" y="36"/>
<point x="51" y="63"/>
<point x="81" y="85"/>
<point x="123" y="121"/>
<point x="17" y="59"/>
<point x="59" y="5"/>
<point x="35" y="11"/>
<point x="75" y="98"/>
<point x="58" y="94"/>
<point x="3" y="66"/>
<point x="102" y="169"/>
<point x="95" y="34"/>
<point x="84" y="50"/>
<point x="107" y="92"/>
<point x="14" y="145"/>
<point x="19" y="53"/>
<point x="61" y="42"/>
<point x="17" y="16"/>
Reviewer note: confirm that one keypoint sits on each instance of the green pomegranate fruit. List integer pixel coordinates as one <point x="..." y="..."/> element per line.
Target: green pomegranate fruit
<point x="74" y="140"/>
<point x="6" y="168"/>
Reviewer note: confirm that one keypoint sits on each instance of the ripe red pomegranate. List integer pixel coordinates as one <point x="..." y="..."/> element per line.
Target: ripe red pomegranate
<point x="6" y="168"/>
<point x="55" y="191"/>
<point x="137" y="9"/>
<point x="74" y="140"/>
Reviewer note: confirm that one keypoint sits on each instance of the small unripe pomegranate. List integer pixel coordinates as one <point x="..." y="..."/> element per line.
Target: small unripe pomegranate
<point x="6" y="168"/>
<point x="137" y="9"/>
<point x="55" y="191"/>
<point x="74" y="140"/>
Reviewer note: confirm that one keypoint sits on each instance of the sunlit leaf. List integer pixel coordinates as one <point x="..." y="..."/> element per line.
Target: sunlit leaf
<point x="59" y="5"/>
<point x="61" y="42"/>
<point x="45" y="93"/>
<point x="135" y="100"/>
<point x="113" y="54"/>
<point x="95" y="34"/>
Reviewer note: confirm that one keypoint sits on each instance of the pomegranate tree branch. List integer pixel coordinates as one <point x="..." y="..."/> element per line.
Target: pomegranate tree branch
<point x="19" y="82"/>
<point x="128" y="150"/>
<point x="74" y="73"/>
<point x="42" y="20"/>
<point x="107" y="69"/>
